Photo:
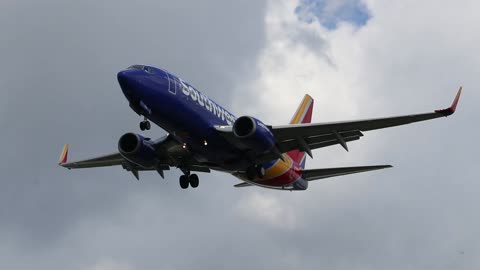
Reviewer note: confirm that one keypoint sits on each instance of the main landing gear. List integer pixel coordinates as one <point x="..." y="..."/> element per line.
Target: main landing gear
<point x="191" y="180"/>
<point x="145" y="125"/>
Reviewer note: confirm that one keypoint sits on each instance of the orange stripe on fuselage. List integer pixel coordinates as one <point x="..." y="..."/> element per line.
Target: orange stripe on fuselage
<point x="279" y="168"/>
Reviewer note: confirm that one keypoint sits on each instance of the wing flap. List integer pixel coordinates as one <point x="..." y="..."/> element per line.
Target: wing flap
<point x="317" y="174"/>
<point x="318" y="141"/>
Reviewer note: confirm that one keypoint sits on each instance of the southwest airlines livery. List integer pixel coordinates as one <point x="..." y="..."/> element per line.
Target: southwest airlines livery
<point x="203" y="136"/>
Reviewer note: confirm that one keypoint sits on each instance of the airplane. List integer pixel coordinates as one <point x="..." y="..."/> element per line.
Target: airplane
<point x="203" y="136"/>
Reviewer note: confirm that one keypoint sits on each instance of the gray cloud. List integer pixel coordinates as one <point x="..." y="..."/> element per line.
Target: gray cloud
<point x="58" y="85"/>
<point x="58" y="78"/>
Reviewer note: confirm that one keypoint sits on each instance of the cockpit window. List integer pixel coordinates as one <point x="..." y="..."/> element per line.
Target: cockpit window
<point x="141" y="67"/>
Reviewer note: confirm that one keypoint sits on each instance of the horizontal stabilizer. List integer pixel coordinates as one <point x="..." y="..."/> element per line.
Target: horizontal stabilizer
<point x="243" y="184"/>
<point x="317" y="174"/>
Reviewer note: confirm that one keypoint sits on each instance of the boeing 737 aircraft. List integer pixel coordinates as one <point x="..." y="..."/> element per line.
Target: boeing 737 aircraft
<point x="203" y="136"/>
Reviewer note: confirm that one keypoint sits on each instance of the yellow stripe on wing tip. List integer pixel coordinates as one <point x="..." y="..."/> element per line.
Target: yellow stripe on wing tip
<point x="63" y="156"/>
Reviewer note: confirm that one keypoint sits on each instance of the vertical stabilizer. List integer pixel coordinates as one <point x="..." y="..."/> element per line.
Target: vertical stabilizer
<point x="302" y="115"/>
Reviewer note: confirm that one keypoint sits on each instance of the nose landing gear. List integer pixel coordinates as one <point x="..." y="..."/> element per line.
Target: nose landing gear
<point x="145" y="125"/>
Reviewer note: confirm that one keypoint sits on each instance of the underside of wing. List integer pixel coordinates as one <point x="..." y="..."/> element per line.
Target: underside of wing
<point x="317" y="174"/>
<point x="353" y="128"/>
<point x="101" y="161"/>
<point x="306" y="137"/>
<point x="168" y="153"/>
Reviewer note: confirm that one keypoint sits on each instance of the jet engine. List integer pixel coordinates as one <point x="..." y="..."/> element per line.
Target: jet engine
<point x="254" y="134"/>
<point x="138" y="150"/>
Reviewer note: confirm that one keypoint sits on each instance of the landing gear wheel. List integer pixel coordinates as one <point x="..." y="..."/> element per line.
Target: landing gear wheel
<point x="144" y="125"/>
<point x="183" y="181"/>
<point x="193" y="179"/>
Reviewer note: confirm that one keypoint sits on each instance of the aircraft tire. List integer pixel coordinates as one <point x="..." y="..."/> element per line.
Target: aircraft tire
<point x="147" y="125"/>
<point x="194" y="181"/>
<point x="142" y="126"/>
<point x="183" y="182"/>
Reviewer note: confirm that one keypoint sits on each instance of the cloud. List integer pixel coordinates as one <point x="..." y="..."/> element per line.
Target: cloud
<point x="398" y="63"/>
<point x="268" y="210"/>
<point x="57" y="77"/>
<point x="330" y="13"/>
<point x="109" y="264"/>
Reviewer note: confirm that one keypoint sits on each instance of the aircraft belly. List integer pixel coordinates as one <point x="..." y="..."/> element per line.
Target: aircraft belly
<point x="279" y="175"/>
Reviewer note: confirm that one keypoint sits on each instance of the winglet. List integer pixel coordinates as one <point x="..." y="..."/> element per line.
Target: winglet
<point x="453" y="107"/>
<point x="63" y="155"/>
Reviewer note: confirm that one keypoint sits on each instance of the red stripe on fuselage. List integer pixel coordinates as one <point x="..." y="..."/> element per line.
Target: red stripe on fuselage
<point x="285" y="179"/>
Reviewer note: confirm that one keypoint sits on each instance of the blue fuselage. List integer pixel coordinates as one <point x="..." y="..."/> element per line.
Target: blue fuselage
<point x="186" y="113"/>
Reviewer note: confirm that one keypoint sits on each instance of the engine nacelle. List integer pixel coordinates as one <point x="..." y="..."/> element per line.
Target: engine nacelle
<point x="254" y="134"/>
<point x="138" y="150"/>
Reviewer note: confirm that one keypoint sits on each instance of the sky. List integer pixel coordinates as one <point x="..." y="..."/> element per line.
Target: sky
<point x="357" y="59"/>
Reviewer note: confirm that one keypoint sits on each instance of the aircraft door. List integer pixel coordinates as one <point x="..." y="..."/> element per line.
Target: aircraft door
<point x="172" y="83"/>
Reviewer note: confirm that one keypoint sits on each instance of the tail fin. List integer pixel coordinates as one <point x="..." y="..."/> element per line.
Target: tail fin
<point x="302" y="115"/>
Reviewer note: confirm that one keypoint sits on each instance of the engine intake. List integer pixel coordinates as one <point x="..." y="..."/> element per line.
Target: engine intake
<point x="138" y="150"/>
<point x="244" y="127"/>
<point x="254" y="134"/>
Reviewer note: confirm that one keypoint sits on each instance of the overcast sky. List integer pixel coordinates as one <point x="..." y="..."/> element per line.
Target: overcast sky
<point x="358" y="59"/>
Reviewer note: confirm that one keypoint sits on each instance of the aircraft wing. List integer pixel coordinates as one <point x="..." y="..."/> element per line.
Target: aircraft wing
<point x="169" y="154"/>
<point x="311" y="136"/>
<point x="101" y="161"/>
<point x="305" y="137"/>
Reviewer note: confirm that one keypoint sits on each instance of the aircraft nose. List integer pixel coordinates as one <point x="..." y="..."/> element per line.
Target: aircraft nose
<point x="128" y="83"/>
<point x="124" y="80"/>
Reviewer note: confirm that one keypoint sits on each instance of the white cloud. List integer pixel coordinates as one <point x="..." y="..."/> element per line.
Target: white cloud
<point x="409" y="58"/>
<point x="110" y="264"/>
<point x="393" y="65"/>
<point x="296" y="60"/>
<point x="267" y="209"/>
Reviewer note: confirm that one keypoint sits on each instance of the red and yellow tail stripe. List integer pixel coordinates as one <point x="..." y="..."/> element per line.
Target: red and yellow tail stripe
<point x="302" y="115"/>
<point x="63" y="155"/>
<point x="284" y="172"/>
<point x="304" y="111"/>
